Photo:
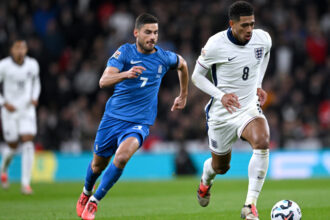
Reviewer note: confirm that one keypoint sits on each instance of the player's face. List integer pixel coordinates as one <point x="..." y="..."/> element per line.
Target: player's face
<point x="18" y="51"/>
<point x="242" y="29"/>
<point x="147" y="37"/>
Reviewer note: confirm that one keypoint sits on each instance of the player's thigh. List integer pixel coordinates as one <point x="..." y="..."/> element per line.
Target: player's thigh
<point x="105" y="144"/>
<point x="221" y="138"/>
<point x="27" y="123"/>
<point x="256" y="132"/>
<point x="130" y="141"/>
<point x="9" y="126"/>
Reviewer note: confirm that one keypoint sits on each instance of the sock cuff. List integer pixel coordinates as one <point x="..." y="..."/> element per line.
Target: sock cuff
<point x="115" y="167"/>
<point x="261" y="151"/>
<point x="93" y="199"/>
<point x="28" y="144"/>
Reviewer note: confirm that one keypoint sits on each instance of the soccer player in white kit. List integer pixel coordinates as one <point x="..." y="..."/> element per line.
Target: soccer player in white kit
<point x="21" y="88"/>
<point x="237" y="59"/>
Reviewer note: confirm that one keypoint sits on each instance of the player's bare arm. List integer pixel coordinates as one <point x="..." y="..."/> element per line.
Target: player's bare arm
<point x="262" y="94"/>
<point x="9" y="107"/>
<point x="230" y="102"/>
<point x="181" y="100"/>
<point x="112" y="76"/>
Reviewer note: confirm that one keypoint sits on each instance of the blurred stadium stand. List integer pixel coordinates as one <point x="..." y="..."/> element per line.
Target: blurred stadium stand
<point x="72" y="40"/>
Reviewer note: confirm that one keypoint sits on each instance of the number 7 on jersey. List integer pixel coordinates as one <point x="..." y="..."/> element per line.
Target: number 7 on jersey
<point x="144" y="79"/>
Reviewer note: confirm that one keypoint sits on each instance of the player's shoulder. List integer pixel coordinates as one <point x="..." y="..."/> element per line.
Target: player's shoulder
<point x="262" y="35"/>
<point x="163" y="52"/>
<point x="167" y="56"/>
<point x="217" y="42"/>
<point x="218" y="37"/>
<point x="6" y="60"/>
<point x="31" y="60"/>
<point x="127" y="47"/>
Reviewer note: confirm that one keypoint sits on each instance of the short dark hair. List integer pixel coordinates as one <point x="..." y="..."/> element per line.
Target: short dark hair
<point x="145" y="18"/>
<point x="15" y="39"/>
<point x="240" y="8"/>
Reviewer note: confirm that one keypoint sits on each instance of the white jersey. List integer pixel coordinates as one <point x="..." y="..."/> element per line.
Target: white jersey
<point x="235" y="69"/>
<point x="21" y="83"/>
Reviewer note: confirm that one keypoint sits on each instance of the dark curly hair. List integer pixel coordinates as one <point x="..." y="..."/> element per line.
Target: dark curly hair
<point x="240" y="8"/>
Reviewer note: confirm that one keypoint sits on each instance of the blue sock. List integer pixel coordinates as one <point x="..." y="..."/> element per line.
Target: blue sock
<point x="90" y="178"/>
<point x="110" y="177"/>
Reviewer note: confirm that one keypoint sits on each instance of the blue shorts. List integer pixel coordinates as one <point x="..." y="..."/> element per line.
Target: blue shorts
<point x="113" y="131"/>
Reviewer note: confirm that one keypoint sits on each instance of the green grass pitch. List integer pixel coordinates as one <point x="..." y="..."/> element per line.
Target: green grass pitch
<point x="173" y="199"/>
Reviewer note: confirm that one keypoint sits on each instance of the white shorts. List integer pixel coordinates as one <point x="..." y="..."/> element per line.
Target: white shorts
<point x="18" y="123"/>
<point x="222" y="135"/>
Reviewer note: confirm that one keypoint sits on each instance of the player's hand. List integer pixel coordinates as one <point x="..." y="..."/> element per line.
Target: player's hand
<point x="34" y="102"/>
<point x="179" y="103"/>
<point x="262" y="96"/>
<point x="135" y="72"/>
<point x="9" y="107"/>
<point x="230" y="101"/>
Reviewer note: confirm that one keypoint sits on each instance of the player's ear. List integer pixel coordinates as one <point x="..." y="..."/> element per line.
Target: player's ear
<point x="231" y="23"/>
<point x="135" y="32"/>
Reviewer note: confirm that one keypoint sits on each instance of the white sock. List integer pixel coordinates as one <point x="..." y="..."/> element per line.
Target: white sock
<point x="27" y="162"/>
<point x="93" y="199"/>
<point x="208" y="172"/>
<point x="257" y="172"/>
<point x="7" y="154"/>
<point x="86" y="192"/>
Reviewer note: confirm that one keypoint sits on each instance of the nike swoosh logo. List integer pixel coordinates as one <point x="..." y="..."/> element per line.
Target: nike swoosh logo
<point x="230" y="59"/>
<point x="135" y="62"/>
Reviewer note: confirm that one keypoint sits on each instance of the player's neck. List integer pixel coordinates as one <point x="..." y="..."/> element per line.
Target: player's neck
<point x="234" y="39"/>
<point x="18" y="61"/>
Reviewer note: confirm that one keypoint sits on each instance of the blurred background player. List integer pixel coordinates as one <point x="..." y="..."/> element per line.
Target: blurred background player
<point x="21" y="88"/>
<point x="135" y="71"/>
<point x="238" y="58"/>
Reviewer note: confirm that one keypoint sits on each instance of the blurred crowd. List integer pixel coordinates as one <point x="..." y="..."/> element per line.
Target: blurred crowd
<point x="72" y="40"/>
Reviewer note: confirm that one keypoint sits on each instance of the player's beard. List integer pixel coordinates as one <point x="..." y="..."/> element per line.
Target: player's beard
<point x="145" y="47"/>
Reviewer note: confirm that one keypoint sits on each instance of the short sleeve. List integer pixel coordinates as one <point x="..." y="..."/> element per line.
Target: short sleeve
<point x="172" y="59"/>
<point x="269" y="42"/>
<point x="117" y="59"/>
<point x="36" y="68"/>
<point x="207" y="56"/>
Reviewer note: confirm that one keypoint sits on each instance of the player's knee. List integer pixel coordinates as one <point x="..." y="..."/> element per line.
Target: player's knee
<point x="121" y="160"/>
<point x="98" y="167"/>
<point x="222" y="169"/>
<point x="262" y="143"/>
<point x="26" y="138"/>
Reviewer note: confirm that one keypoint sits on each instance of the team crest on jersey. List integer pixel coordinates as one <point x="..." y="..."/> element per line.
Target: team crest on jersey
<point x="258" y="52"/>
<point x="116" y="54"/>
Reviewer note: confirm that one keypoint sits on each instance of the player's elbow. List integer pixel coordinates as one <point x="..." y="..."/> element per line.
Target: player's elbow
<point x="102" y="83"/>
<point x="194" y="77"/>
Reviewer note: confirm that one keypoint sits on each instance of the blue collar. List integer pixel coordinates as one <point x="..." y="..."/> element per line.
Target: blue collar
<point x="233" y="39"/>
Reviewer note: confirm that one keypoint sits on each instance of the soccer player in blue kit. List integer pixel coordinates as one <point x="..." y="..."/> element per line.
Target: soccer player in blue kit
<point x="135" y="71"/>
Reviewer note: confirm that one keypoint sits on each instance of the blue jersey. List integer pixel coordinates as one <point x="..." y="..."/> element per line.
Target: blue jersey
<point x="135" y="100"/>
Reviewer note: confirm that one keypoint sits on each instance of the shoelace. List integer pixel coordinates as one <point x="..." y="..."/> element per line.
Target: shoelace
<point x="203" y="193"/>
<point x="84" y="200"/>
<point x="254" y="211"/>
<point x="91" y="208"/>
